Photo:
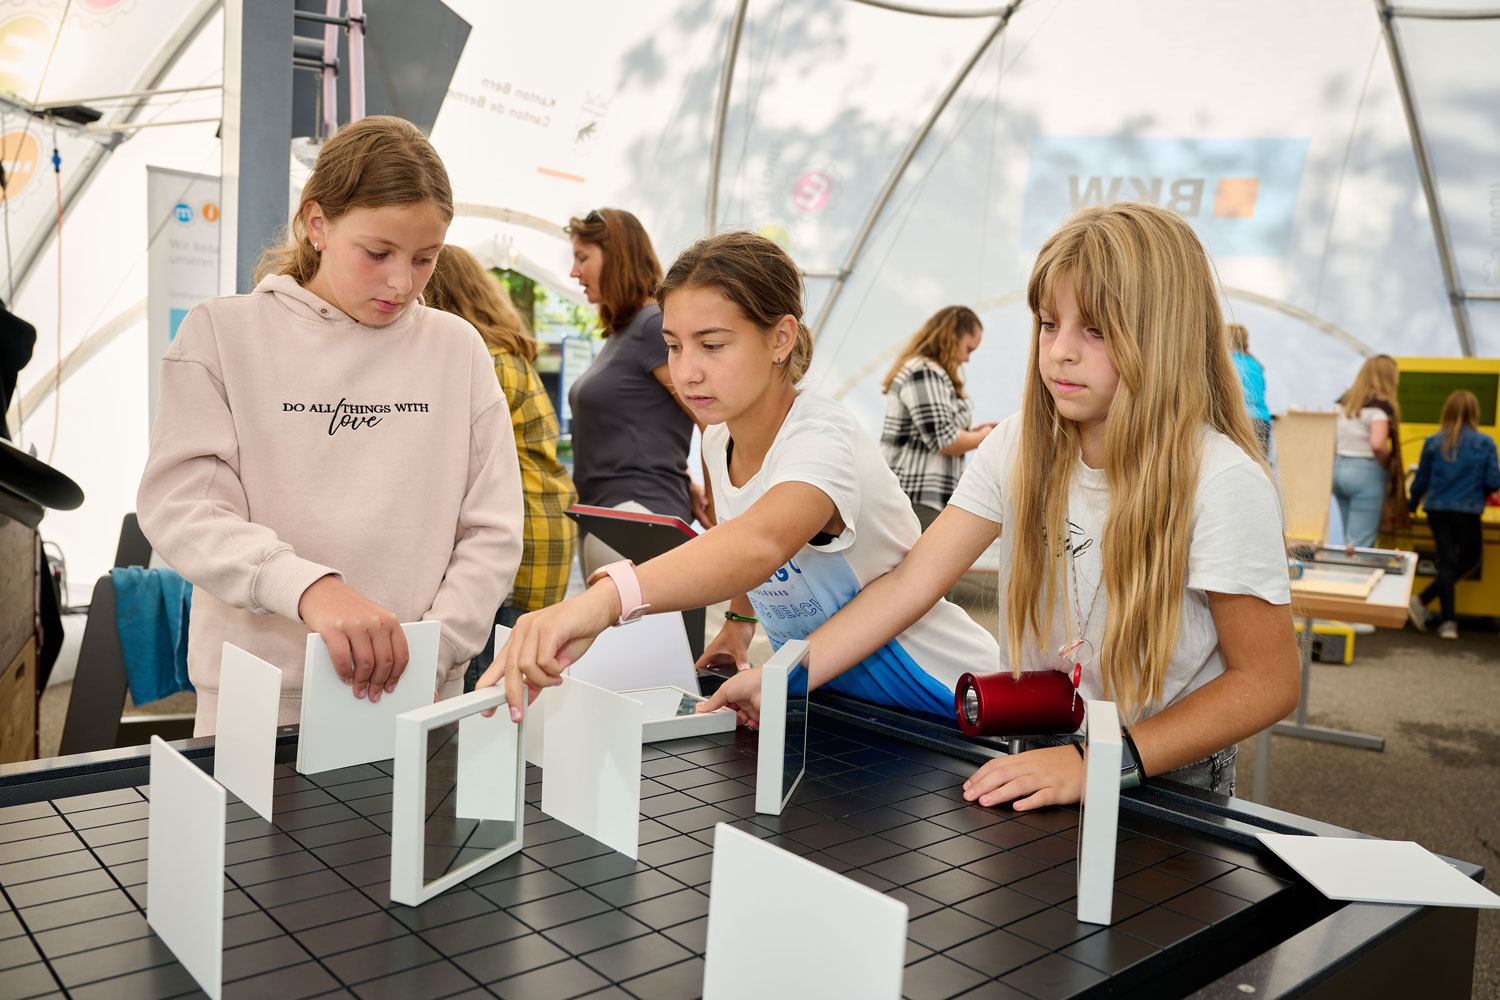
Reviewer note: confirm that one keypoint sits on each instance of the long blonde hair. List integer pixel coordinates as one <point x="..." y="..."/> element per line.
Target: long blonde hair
<point x="460" y="285"/>
<point x="938" y="340"/>
<point x="1377" y="379"/>
<point x="1141" y="277"/>
<point x="374" y="162"/>
<point x="1460" y="410"/>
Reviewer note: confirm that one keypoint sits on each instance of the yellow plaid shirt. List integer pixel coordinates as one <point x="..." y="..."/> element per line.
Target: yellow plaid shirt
<point x="550" y="535"/>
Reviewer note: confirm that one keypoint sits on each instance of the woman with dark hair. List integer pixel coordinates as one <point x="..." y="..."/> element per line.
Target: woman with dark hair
<point x="631" y="433"/>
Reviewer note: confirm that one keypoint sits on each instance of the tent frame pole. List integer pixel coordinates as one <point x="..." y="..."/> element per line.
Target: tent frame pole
<point x="721" y="115"/>
<point x="1429" y="183"/>
<point x="856" y="250"/>
<point x="80" y="178"/>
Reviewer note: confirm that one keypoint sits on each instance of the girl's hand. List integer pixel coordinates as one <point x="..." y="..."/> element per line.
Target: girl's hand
<point x="741" y="693"/>
<point x="545" y="643"/>
<point x="703" y="510"/>
<point x="1051" y="776"/>
<point x="730" y="647"/>
<point x="364" y="639"/>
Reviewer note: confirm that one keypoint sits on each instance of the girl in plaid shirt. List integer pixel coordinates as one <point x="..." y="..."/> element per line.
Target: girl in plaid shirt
<point x="927" y="414"/>
<point x="460" y="285"/>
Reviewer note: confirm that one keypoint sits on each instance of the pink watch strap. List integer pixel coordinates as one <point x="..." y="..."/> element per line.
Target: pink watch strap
<point x="623" y="574"/>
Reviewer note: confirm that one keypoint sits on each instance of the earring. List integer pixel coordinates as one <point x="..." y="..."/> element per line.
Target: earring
<point x="778" y="362"/>
<point x="317" y="248"/>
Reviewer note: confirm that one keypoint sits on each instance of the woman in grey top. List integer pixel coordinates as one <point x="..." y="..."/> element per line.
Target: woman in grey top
<point x="630" y="433"/>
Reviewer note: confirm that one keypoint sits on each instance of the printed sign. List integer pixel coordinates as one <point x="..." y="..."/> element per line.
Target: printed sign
<point x="1240" y="195"/>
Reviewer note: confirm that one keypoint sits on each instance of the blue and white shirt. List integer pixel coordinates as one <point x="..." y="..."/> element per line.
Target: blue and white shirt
<point x="821" y="444"/>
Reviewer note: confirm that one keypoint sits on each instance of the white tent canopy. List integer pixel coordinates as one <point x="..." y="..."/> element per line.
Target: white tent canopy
<point x="1338" y="159"/>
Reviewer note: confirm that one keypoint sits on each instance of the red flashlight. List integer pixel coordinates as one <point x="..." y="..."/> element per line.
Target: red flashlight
<point x="1038" y="703"/>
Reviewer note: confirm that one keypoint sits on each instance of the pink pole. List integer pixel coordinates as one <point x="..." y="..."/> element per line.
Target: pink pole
<point x="356" y="60"/>
<point x="330" y="71"/>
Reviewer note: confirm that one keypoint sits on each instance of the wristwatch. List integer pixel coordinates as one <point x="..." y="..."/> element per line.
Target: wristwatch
<point x="1131" y="773"/>
<point x="623" y="574"/>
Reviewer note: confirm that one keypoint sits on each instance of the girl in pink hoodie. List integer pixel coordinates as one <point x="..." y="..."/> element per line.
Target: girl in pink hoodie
<point x="329" y="455"/>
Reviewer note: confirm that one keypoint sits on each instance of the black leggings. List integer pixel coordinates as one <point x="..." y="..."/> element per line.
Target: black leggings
<point x="1456" y="535"/>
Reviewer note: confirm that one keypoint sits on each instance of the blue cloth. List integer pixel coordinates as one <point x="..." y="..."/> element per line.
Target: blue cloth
<point x="151" y="613"/>
<point x="804" y="594"/>
<point x="1253" y="382"/>
<point x="1359" y="488"/>
<point x="1459" y="484"/>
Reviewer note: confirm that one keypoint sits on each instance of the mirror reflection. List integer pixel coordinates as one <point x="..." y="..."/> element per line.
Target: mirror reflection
<point x="470" y="800"/>
<point x="794" y="749"/>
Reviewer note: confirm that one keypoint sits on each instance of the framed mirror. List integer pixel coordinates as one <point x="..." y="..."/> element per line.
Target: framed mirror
<point x="782" y="756"/>
<point x="457" y="804"/>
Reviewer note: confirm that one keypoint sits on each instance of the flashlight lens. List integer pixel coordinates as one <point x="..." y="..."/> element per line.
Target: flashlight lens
<point x="971" y="706"/>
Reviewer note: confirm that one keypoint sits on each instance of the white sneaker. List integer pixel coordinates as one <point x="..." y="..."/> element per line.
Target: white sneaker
<point x="1448" y="630"/>
<point x="1416" y="613"/>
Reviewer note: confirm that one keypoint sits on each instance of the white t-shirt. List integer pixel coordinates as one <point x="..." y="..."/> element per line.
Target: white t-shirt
<point x="1353" y="439"/>
<point x="821" y="444"/>
<point x="1236" y="547"/>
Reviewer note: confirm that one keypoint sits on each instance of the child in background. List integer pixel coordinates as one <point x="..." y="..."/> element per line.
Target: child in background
<point x="927" y="414"/>
<point x="1252" y="383"/>
<point x="1142" y="534"/>
<point x="329" y="455"/>
<point x="1367" y="455"/>
<point x="808" y="510"/>
<point x="461" y="286"/>
<point x="1457" y="471"/>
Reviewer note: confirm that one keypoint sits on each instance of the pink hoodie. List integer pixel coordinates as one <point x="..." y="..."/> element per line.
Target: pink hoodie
<point x="291" y="441"/>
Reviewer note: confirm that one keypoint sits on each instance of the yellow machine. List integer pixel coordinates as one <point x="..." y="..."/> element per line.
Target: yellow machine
<point x="1333" y="642"/>
<point x="1425" y="385"/>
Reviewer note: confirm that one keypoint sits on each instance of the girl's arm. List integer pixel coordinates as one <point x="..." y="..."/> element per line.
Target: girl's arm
<point x="723" y="562"/>
<point x="1424" y="472"/>
<point x="884" y="609"/>
<point x="1492" y="469"/>
<point x="967" y="440"/>
<point x="1260" y="685"/>
<point x="1380" y="439"/>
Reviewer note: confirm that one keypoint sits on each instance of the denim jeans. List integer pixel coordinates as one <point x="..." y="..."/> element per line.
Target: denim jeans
<point x="507" y="616"/>
<point x="1359" y="488"/>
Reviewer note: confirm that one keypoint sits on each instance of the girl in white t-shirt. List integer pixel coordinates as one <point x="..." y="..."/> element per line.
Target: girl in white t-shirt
<point x="1166" y="577"/>
<point x="808" y="511"/>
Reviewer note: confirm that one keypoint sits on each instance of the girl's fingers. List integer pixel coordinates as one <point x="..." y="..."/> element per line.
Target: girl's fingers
<point x="338" y="651"/>
<point x="383" y="658"/>
<point x="362" y="650"/>
<point x="400" y="654"/>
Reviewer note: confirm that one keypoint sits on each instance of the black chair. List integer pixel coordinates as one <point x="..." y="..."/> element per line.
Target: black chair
<point x="94" y="720"/>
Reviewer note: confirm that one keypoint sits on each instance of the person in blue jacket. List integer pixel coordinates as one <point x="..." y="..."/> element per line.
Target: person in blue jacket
<point x="1458" y="471"/>
<point x="1252" y="382"/>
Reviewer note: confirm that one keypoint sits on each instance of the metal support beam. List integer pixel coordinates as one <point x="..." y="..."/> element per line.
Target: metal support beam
<point x="721" y="112"/>
<point x="907" y="155"/>
<point x="83" y="173"/>
<point x="255" y="175"/>
<point x="1446" y="13"/>
<point x="905" y="8"/>
<point x="1429" y="181"/>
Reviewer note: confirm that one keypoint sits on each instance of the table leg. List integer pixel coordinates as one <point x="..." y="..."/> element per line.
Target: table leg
<point x="1299" y="727"/>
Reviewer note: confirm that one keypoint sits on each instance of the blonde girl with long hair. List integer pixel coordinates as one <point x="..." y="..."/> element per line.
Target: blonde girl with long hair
<point x="808" y="511"/>
<point x="330" y="456"/>
<point x="1367" y="450"/>
<point x="1142" y="535"/>
<point x="1458" y="470"/>
<point x="462" y="286"/>
<point x="927" y="413"/>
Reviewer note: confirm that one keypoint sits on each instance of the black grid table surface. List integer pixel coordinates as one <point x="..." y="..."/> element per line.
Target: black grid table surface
<point x="308" y="912"/>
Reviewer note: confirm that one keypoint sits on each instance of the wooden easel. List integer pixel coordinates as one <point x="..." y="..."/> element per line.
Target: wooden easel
<point x="1304" y="457"/>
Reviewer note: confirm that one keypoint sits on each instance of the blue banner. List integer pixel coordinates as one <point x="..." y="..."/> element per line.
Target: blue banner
<point x="1240" y="195"/>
